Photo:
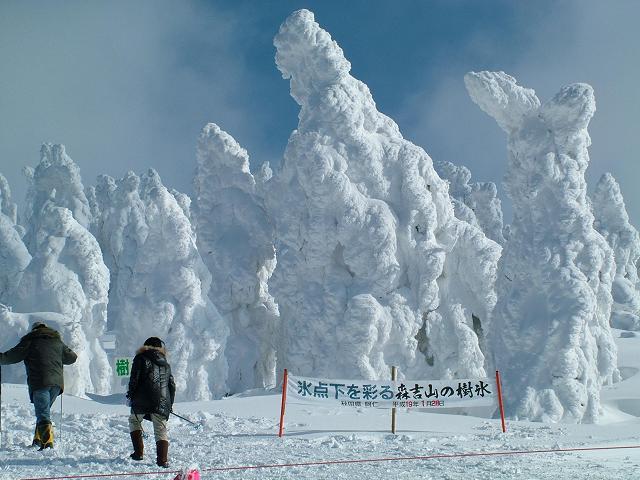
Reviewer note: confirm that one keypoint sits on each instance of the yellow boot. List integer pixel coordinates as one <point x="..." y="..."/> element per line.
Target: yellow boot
<point x="37" y="441"/>
<point x="45" y="430"/>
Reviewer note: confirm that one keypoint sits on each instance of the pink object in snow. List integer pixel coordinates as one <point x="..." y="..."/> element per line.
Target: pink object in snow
<point x="188" y="475"/>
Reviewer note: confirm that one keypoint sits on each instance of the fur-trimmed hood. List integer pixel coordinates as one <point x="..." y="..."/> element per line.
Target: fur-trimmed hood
<point x="157" y="355"/>
<point x="145" y="348"/>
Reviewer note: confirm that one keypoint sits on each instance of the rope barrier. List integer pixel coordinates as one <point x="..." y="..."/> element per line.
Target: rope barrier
<point x="339" y="462"/>
<point x="107" y="475"/>
<point x="421" y="457"/>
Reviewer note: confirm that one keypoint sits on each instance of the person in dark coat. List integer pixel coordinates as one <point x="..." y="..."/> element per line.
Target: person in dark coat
<point x="151" y="394"/>
<point x="44" y="354"/>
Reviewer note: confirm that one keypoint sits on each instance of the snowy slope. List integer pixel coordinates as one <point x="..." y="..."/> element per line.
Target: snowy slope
<point x="241" y="430"/>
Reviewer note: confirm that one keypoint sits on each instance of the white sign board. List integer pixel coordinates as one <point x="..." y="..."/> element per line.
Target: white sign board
<point x="475" y="392"/>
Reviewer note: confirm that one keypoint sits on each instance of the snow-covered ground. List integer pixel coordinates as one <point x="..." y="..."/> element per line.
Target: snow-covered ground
<point x="242" y="431"/>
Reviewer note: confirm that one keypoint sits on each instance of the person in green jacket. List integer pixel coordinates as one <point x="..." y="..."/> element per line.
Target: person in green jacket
<point x="44" y="354"/>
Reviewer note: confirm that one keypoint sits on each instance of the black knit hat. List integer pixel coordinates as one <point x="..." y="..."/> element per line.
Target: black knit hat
<point x="154" y="342"/>
<point x="38" y="325"/>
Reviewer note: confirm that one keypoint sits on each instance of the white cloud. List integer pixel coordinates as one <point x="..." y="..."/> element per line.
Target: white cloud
<point x="125" y="85"/>
<point x="592" y="42"/>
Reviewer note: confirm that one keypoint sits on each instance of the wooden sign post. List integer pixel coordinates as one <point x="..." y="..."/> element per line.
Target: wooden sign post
<point x="393" y="410"/>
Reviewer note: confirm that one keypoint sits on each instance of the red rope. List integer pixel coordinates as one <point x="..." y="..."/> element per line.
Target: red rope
<point x="422" y="457"/>
<point x="337" y="462"/>
<point x="103" y="475"/>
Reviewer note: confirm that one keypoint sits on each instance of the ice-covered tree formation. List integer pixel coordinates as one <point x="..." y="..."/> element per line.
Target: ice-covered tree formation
<point x="373" y="268"/>
<point x="67" y="276"/>
<point x="552" y="338"/>
<point x="235" y="238"/>
<point x="94" y="209"/>
<point x="56" y="178"/>
<point x="476" y="203"/>
<point x="7" y="206"/>
<point x="161" y="285"/>
<point x="14" y="256"/>
<point x="612" y="221"/>
<point x="184" y="201"/>
<point x="121" y="229"/>
<point x="105" y="186"/>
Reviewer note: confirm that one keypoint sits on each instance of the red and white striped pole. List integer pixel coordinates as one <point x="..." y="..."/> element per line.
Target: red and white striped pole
<point x="283" y="404"/>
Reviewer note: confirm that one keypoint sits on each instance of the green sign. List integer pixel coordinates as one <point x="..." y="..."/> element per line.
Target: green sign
<point x="123" y="366"/>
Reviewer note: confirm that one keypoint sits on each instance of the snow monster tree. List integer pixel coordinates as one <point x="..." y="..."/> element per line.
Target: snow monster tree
<point x="373" y="267"/>
<point x="235" y="239"/>
<point x="612" y="221"/>
<point x="476" y="203"/>
<point x="160" y="285"/>
<point x="67" y="274"/>
<point x="14" y="256"/>
<point x="551" y="336"/>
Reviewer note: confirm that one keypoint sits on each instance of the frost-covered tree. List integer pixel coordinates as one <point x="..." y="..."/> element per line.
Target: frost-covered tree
<point x="373" y="267"/>
<point x="235" y="238"/>
<point x="612" y="221"/>
<point x="14" y="256"/>
<point x="7" y="206"/>
<point x="55" y="178"/>
<point x="94" y="208"/>
<point x="184" y="201"/>
<point x="551" y="336"/>
<point x="67" y="276"/>
<point x="161" y="285"/>
<point x="476" y="203"/>
<point x="121" y="231"/>
<point x="105" y="186"/>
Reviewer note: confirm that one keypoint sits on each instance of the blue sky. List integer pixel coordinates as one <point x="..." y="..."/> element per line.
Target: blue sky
<point x="128" y="85"/>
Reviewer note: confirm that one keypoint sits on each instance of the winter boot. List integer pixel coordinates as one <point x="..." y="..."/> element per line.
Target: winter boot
<point x="45" y="430"/>
<point x="37" y="441"/>
<point x="162" y="449"/>
<point x="138" y="445"/>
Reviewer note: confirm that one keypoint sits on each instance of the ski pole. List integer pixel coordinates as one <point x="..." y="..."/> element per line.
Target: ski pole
<point x="186" y="420"/>
<point x="60" y="429"/>
<point x="0" y="407"/>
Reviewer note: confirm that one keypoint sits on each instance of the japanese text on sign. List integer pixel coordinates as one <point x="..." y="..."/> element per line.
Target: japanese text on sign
<point x="123" y="367"/>
<point x="392" y="394"/>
